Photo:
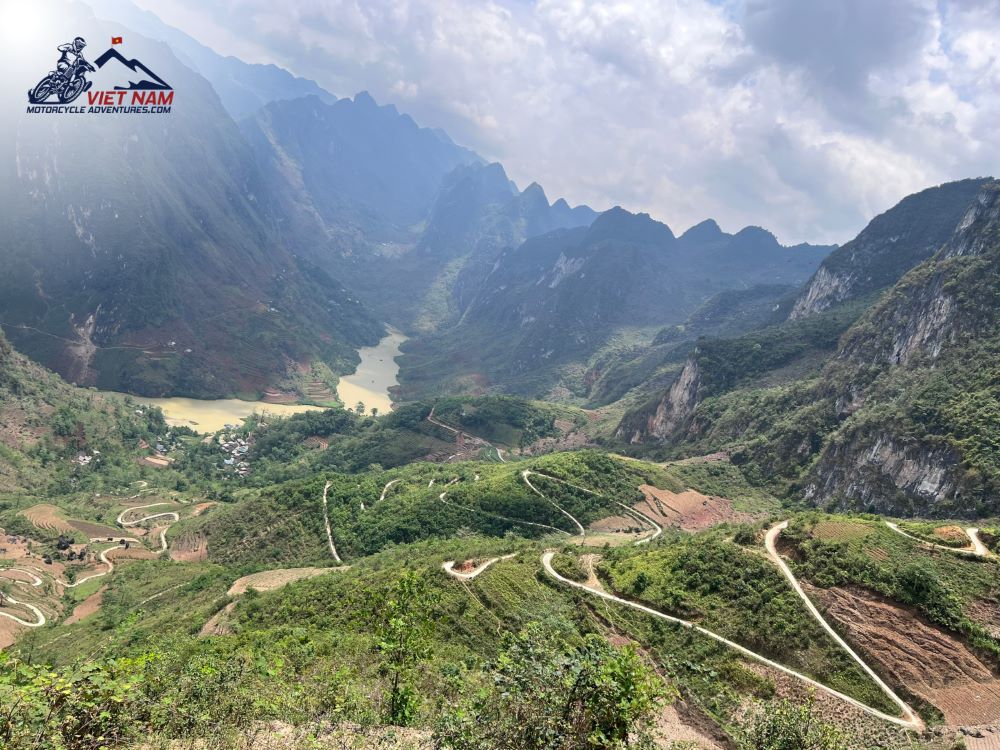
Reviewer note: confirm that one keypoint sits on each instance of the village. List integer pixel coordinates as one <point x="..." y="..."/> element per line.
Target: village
<point x="236" y="449"/>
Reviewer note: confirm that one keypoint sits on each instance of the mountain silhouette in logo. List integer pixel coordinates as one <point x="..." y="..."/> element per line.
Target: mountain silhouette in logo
<point x="156" y="84"/>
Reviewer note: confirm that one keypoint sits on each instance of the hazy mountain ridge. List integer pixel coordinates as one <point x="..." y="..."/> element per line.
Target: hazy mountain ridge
<point x="558" y="297"/>
<point x="895" y="421"/>
<point x="140" y="256"/>
<point x="242" y="87"/>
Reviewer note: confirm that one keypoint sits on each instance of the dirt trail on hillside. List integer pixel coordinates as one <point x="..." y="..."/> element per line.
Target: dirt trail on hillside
<point x="929" y="661"/>
<point x="326" y="523"/>
<point x="465" y="572"/>
<point x="976" y="547"/>
<point x="910" y="720"/>
<point x="689" y="510"/>
<point x="910" y="715"/>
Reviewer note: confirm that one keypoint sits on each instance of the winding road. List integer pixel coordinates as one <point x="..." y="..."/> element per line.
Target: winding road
<point x="976" y="548"/>
<point x="449" y="567"/>
<point x="163" y="532"/>
<point x="326" y="521"/>
<point x="443" y="498"/>
<point x="454" y="430"/>
<point x="103" y="557"/>
<point x="36" y="582"/>
<point x="910" y="722"/>
<point x="770" y="539"/>
<point x="637" y="514"/>
<point x="528" y="472"/>
<point x="37" y="612"/>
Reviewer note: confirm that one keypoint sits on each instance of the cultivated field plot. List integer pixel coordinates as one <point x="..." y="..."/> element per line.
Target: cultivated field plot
<point x="48" y="518"/>
<point x="689" y="510"/>
<point x="189" y="547"/>
<point x="928" y="661"/>
<point x="94" y="530"/>
<point x="132" y="553"/>
<point x="269" y="580"/>
<point x="842" y="531"/>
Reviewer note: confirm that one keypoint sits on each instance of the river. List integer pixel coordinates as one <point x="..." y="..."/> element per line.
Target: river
<point x="212" y="415"/>
<point x="375" y="375"/>
<point x="369" y="384"/>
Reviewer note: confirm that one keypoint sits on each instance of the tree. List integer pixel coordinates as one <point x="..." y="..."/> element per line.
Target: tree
<point x="545" y="694"/>
<point x="403" y="627"/>
<point x="374" y="411"/>
<point x="360" y="407"/>
<point x="785" y="726"/>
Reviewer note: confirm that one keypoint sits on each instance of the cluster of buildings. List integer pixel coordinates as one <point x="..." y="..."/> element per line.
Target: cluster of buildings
<point x="236" y="449"/>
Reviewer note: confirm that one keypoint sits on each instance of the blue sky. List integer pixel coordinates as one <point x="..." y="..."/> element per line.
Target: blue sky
<point x="805" y="116"/>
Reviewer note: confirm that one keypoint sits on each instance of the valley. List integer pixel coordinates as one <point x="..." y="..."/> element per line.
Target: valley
<point x="321" y="431"/>
<point x="372" y="383"/>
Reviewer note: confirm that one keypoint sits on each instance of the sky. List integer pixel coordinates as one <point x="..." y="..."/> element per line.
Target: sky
<point x="807" y="117"/>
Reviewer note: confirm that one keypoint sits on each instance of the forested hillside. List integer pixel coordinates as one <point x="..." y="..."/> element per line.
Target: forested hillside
<point x="896" y="420"/>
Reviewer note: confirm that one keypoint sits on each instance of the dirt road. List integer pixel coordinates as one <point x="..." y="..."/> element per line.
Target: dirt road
<point x="443" y="497"/>
<point x="909" y="722"/>
<point x="329" y="531"/>
<point x="175" y="517"/>
<point x="37" y="612"/>
<point x="976" y="547"/>
<point x="449" y="568"/>
<point x="527" y="473"/>
<point x="911" y="717"/>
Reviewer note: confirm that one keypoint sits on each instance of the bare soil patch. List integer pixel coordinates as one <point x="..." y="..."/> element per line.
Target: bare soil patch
<point x="987" y="614"/>
<point x="688" y="510"/>
<point x="930" y="662"/>
<point x="189" y="547"/>
<point x="218" y="624"/>
<point x="709" y="458"/>
<point x="678" y="723"/>
<point x="9" y="630"/>
<point x="269" y="580"/>
<point x="47" y="517"/>
<point x="86" y="608"/>
<point x="952" y="535"/>
<point x="274" y="396"/>
<point x="863" y="732"/>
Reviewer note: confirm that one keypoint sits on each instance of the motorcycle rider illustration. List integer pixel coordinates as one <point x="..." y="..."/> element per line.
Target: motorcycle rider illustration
<point x="71" y="52"/>
<point x="68" y="80"/>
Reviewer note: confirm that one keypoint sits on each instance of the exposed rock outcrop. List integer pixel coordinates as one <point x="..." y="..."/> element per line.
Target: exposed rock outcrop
<point x="891" y="244"/>
<point x="882" y="473"/>
<point x="672" y="411"/>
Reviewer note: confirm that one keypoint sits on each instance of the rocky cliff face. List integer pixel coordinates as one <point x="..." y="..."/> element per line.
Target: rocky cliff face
<point x="925" y="327"/>
<point x="883" y="473"/>
<point x="670" y="414"/>
<point x="901" y="416"/>
<point x="888" y="247"/>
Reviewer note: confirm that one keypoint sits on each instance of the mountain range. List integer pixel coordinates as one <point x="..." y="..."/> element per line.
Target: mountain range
<point x="866" y="397"/>
<point x="637" y="488"/>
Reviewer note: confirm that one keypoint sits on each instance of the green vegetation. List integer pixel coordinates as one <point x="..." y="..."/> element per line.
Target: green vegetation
<point x="941" y="585"/>
<point x="546" y="695"/>
<point x="787" y="726"/>
<point x="741" y="596"/>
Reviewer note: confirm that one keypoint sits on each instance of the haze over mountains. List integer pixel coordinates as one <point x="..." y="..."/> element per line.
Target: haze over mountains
<point x="267" y="229"/>
<point x="317" y="220"/>
<point x="623" y="487"/>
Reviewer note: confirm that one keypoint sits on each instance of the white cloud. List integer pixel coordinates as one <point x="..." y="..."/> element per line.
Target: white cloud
<point x="807" y="118"/>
